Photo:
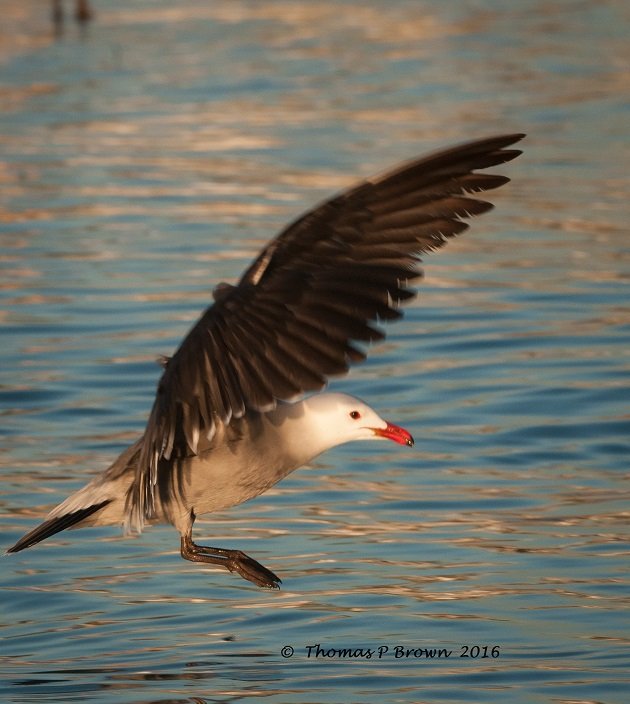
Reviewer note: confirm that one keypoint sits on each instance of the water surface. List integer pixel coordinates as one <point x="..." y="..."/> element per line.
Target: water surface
<point x="147" y="157"/>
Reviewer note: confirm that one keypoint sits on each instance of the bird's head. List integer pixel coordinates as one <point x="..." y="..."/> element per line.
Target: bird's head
<point x="340" y="418"/>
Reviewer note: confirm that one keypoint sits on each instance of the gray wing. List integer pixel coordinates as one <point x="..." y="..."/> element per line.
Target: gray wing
<point x="312" y="294"/>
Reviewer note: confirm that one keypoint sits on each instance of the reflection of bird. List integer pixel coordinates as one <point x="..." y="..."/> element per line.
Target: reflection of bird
<point x="82" y="11"/>
<point x="223" y="427"/>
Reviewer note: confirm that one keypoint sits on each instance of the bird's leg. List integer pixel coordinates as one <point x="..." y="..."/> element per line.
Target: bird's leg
<point x="232" y="560"/>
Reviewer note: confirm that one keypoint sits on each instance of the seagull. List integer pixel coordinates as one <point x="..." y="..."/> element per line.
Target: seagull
<point x="232" y="415"/>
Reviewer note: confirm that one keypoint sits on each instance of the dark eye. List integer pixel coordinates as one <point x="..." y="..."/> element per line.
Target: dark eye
<point x="355" y="415"/>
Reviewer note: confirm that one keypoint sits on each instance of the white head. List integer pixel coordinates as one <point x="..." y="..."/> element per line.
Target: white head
<point x="339" y="418"/>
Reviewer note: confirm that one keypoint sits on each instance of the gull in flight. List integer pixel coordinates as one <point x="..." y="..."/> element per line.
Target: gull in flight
<point x="231" y="415"/>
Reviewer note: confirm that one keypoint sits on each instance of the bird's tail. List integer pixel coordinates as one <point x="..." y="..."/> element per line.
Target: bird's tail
<point x="55" y="525"/>
<point x="104" y="494"/>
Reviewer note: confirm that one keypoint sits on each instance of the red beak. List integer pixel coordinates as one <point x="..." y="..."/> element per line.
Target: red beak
<point x="395" y="433"/>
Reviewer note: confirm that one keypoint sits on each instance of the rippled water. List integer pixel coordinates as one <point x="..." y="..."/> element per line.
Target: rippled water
<point x="147" y="157"/>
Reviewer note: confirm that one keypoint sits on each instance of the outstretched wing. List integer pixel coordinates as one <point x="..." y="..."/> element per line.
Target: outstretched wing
<point x="314" y="291"/>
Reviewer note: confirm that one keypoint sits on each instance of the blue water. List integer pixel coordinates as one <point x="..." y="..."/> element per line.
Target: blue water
<point x="147" y="157"/>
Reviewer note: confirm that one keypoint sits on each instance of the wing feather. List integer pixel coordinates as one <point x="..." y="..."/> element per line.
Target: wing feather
<point x="315" y="290"/>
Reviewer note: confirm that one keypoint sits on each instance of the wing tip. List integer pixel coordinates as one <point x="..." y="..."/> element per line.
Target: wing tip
<point x="494" y="147"/>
